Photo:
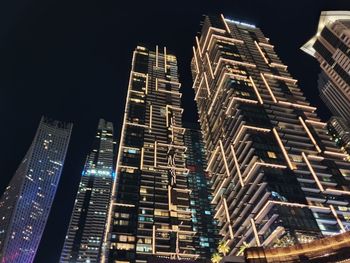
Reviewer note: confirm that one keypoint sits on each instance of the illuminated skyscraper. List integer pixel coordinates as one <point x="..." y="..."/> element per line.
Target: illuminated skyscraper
<point x="339" y="129"/>
<point x="88" y="222"/>
<point x="26" y="202"/>
<point x="206" y="238"/>
<point x="331" y="47"/>
<point x="277" y="178"/>
<point x="150" y="216"/>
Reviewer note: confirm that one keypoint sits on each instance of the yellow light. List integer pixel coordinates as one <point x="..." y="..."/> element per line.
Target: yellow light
<point x="228" y="218"/>
<point x="283" y="149"/>
<point x="309" y="134"/>
<point x="268" y="88"/>
<point x="255" y="232"/>
<point x="256" y="90"/>
<point x="224" y="158"/>
<point x="312" y="172"/>
<point x="226" y="26"/>
<point x="199" y="47"/>
<point x="237" y="165"/>
<point x="343" y="230"/>
<point x="281" y="78"/>
<point x="210" y="68"/>
<point x="261" y="53"/>
<point x="195" y="59"/>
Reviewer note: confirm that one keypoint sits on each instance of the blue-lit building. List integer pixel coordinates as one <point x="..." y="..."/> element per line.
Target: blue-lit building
<point x="84" y="237"/>
<point x="26" y="202"/>
<point x="206" y="238"/>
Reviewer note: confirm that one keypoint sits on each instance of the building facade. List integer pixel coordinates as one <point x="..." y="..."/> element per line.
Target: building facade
<point x="206" y="238"/>
<point x="277" y="178"/>
<point x="151" y="213"/>
<point x="331" y="47"/>
<point x="26" y="202"/>
<point x="339" y="129"/>
<point x="86" y="230"/>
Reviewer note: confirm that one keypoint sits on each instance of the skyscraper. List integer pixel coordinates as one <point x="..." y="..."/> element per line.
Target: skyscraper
<point x="339" y="129"/>
<point x="88" y="221"/>
<point x="331" y="47"/>
<point x="206" y="238"/>
<point x="278" y="179"/>
<point x="150" y="216"/>
<point x="26" y="202"/>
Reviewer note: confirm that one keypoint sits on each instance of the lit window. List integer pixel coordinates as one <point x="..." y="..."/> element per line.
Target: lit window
<point x="272" y="155"/>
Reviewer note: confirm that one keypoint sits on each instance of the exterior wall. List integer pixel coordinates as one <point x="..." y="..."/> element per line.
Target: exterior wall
<point x="150" y="214"/>
<point x="88" y="221"/>
<point x="277" y="178"/>
<point x="206" y="239"/>
<point x="331" y="47"/>
<point x="339" y="129"/>
<point x="26" y="203"/>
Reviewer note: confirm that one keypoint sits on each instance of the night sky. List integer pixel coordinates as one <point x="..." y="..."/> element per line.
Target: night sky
<point x="70" y="60"/>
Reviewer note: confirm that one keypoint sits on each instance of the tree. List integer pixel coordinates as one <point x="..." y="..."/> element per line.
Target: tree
<point x="242" y="248"/>
<point x="215" y="258"/>
<point x="223" y="248"/>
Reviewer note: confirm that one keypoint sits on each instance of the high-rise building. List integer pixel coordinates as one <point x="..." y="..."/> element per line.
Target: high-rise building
<point x="277" y="177"/>
<point x="206" y="238"/>
<point x="151" y="213"/>
<point x="331" y="47"/>
<point x="87" y="226"/>
<point x="26" y="202"/>
<point x="339" y="129"/>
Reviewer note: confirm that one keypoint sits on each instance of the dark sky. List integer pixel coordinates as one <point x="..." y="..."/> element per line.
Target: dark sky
<point x="70" y="60"/>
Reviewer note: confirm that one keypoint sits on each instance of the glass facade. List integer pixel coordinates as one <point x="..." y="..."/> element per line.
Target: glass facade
<point x="86" y="230"/>
<point x="331" y="47"/>
<point x="206" y="238"/>
<point x="277" y="178"/>
<point x="151" y="213"/>
<point x="26" y="202"/>
<point x="339" y="129"/>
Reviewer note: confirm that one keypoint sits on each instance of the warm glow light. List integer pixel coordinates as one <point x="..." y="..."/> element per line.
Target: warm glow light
<point x="165" y="63"/>
<point x="281" y="78"/>
<point x="231" y="61"/>
<point x="343" y="155"/>
<point x="268" y="88"/>
<point x="210" y="68"/>
<point x="195" y="59"/>
<point x="244" y="127"/>
<point x="224" y="159"/>
<point x="206" y="83"/>
<point x="198" y="46"/>
<point x="226" y="25"/>
<point x="312" y="172"/>
<point x="296" y="105"/>
<point x="343" y="230"/>
<point x="278" y="65"/>
<point x="280" y="143"/>
<point x="157" y="56"/>
<point x="255" y="232"/>
<point x="212" y="157"/>
<point x="309" y="134"/>
<point x="261" y="53"/>
<point x="266" y="45"/>
<point x="237" y="165"/>
<point x="228" y="218"/>
<point x="256" y="90"/>
<point x="317" y="123"/>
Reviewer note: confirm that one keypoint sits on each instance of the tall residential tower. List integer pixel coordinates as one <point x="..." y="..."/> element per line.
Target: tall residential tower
<point x="26" y="202"/>
<point x="277" y="178"/>
<point x="87" y="225"/>
<point x="150" y="216"/>
<point x="331" y="47"/>
<point x="206" y="238"/>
